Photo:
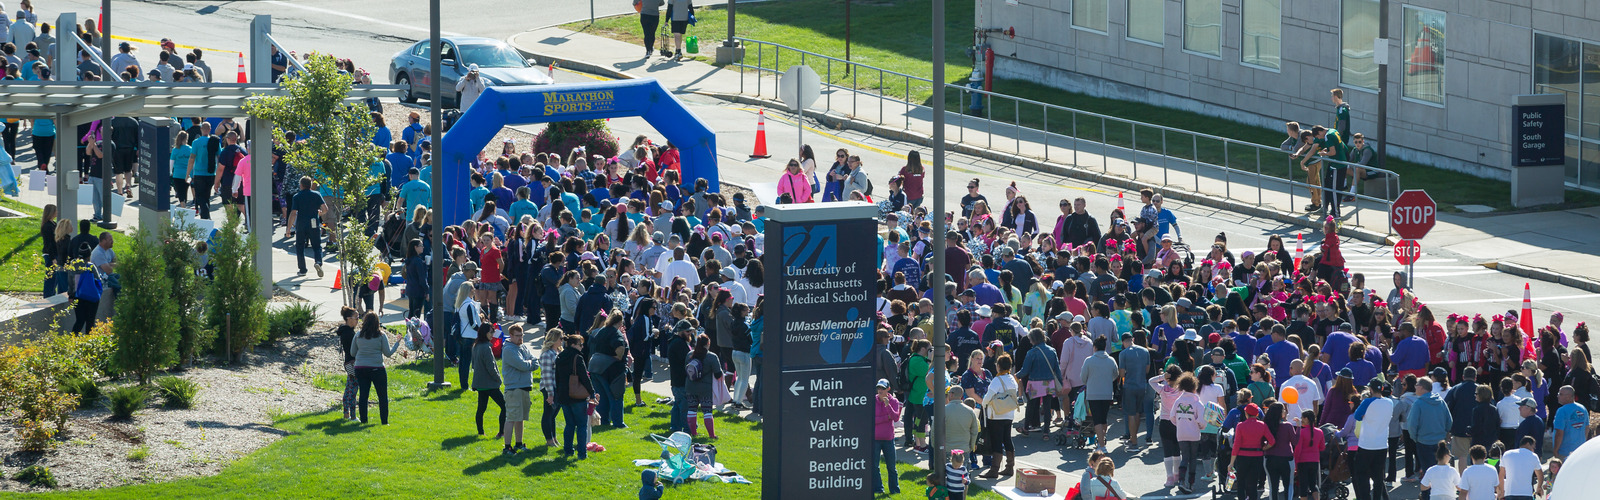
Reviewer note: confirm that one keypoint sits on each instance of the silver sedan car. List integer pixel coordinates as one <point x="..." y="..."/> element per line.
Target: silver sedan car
<point x="497" y="62"/>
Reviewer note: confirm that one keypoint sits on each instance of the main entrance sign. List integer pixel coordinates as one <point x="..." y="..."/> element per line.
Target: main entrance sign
<point x="821" y="293"/>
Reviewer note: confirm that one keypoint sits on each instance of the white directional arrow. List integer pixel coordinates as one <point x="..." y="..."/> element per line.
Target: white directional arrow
<point x="795" y="389"/>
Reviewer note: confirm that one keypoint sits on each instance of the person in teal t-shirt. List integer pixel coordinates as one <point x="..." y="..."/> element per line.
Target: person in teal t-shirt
<point x="415" y="192"/>
<point x="478" y="192"/>
<point x="1569" y="424"/>
<point x="181" y="158"/>
<point x="523" y="207"/>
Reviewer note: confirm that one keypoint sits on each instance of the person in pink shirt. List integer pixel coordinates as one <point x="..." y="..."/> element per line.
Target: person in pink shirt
<point x="886" y="413"/>
<point x="794" y="183"/>
<point x="1074" y="350"/>
<point x="241" y="181"/>
<point x="1166" y="386"/>
<point x="1250" y="442"/>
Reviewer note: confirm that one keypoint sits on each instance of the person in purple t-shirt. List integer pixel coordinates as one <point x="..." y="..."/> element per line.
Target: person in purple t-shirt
<point x="987" y="293"/>
<point x="1410" y="355"/>
<point x="1337" y="347"/>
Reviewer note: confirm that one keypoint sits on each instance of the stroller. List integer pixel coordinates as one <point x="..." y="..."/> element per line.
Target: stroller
<point x="1334" y="476"/>
<point x="1076" y="433"/>
<point x="682" y="458"/>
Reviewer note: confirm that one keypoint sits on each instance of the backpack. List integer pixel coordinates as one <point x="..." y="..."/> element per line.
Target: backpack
<point x="89" y="286"/>
<point x="695" y="370"/>
<point x="902" y="376"/>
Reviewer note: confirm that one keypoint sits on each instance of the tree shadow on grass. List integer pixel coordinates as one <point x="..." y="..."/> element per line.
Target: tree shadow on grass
<point x="458" y="441"/>
<point x="334" y="427"/>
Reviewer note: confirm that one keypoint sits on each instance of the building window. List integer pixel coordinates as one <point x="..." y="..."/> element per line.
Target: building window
<point x="1424" y="54"/>
<point x="1263" y="28"/>
<point x="1202" y="26"/>
<point x="1147" y="20"/>
<point x="1089" y="14"/>
<point x="1572" y="68"/>
<point x="1359" y="27"/>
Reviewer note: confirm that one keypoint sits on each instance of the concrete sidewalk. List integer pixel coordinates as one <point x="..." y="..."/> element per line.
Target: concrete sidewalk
<point x="1550" y="246"/>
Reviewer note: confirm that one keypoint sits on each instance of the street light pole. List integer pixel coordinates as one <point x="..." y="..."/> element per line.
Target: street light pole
<point x="107" y="166"/>
<point x="936" y="442"/>
<point x="437" y="178"/>
<point x="847" y="36"/>
<point x="1383" y="84"/>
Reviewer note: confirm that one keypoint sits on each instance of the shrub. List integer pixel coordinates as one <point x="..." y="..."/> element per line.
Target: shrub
<point x="86" y="389"/>
<point x="139" y="454"/>
<point x="127" y="399"/>
<point x="294" y="319"/>
<point x="177" y="392"/>
<point x="147" y="341"/>
<point x="31" y="394"/>
<point x="37" y="475"/>
<point x="188" y="289"/>
<point x="234" y="304"/>
<point x="561" y="137"/>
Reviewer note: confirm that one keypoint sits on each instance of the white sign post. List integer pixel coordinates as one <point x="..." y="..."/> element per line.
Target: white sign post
<point x="800" y="87"/>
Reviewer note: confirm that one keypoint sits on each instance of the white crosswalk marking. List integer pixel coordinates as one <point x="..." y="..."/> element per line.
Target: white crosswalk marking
<point x="1377" y="260"/>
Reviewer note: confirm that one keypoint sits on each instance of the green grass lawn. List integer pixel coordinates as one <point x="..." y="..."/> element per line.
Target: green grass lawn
<point x="895" y="35"/>
<point x="21" y="269"/>
<point x="431" y="450"/>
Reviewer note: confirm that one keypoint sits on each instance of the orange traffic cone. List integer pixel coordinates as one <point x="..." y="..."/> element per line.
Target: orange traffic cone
<point x="338" y="280"/>
<point x="1299" y="250"/>
<point x="1525" y="320"/>
<point x="1119" y="200"/>
<point x="242" y="77"/>
<point x="761" y="136"/>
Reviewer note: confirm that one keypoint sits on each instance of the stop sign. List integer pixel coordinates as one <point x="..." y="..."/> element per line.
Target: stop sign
<point x="1413" y="214"/>
<point x="1407" y="251"/>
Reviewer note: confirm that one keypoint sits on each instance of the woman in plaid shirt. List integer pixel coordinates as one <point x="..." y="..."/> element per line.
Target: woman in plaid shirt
<point x="547" y="382"/>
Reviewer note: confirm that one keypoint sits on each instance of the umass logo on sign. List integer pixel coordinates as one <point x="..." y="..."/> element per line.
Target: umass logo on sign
<point x="811" y="247"/>
<point x="828" y="302"/>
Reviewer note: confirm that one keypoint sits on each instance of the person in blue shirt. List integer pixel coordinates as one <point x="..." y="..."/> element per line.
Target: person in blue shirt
<point x="585" y="224"/>
<point x="415" y="192"/>
<point x="1282" y="352"/>
<point x="412" y="130"/>
<point x="381" y="137"/>
<point x="502" y="195"/>
<point x="181" y="164"/>
<point x="523" y="207"/>
<point x="1531" y="426"/>
<point x="1570" y="424"/>
<point x="399" y="163"/>
<point x="516" y="177"/>
<point x="1167" y="332"/>
<point x="478" y="193"/>
<point x="1166" y="221"/>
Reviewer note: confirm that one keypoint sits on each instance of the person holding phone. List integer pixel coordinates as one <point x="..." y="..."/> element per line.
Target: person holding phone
<point x="470" y="87"/>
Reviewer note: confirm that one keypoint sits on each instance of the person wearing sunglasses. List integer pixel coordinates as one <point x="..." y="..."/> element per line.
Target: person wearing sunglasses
<point x="834" y="189"/>
<point x="794" y="183"/>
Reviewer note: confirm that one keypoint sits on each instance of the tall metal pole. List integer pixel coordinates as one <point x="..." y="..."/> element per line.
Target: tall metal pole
<point x="936" y="457"/>
<point x="728" y="42"/>
<point x="847" y="35"/>
<point x="107" y="170"/>
<point x="437" y="181"/>
<point x="1383" y="84"/>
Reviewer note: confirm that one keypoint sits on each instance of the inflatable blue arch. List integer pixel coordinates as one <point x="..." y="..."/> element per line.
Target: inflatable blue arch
<point x="499" y="107"/>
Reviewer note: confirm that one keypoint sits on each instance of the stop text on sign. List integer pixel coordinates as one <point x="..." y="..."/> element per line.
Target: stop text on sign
<point x="1406" y="252"/>
<point x="1412" y="215"/>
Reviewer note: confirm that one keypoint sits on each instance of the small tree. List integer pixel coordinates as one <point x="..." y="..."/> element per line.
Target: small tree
<point x="560" y="137"/>
<point x="188" y="288"/>
<point x="145" y="313"/>
<point x="234" y="305"/>
<point x="336" y="150"/>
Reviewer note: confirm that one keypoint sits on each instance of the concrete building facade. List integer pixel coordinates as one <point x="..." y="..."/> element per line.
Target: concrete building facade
<point x="1454" y="65"/>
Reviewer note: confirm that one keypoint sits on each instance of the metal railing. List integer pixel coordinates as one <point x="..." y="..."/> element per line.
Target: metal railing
<point x="1034" y="129"/>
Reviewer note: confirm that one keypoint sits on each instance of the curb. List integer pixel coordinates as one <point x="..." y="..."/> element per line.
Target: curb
<point x="1056" y="168"/>
<point x="1542" y="274"/>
